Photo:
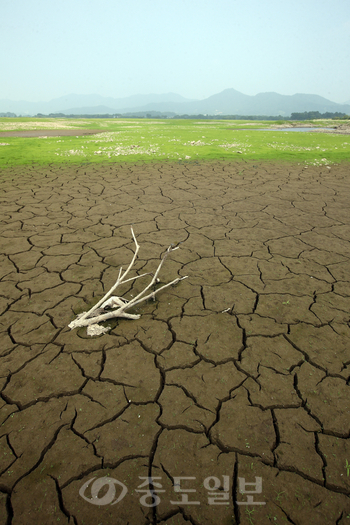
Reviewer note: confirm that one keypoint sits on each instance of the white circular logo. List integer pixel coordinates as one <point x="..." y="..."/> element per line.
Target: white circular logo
<point x="97" y="486"/>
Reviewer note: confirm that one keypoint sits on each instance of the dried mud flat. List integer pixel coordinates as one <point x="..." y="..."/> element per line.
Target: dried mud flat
<point x="340" y="129"/>
<point x="238" y="375"/>
<point x="50" y="133"/>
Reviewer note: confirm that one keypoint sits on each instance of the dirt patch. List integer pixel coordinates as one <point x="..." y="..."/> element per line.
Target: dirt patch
<point x="341" y="129"/>
<point x="231" y="391"/>
<point x="51" y="133"/>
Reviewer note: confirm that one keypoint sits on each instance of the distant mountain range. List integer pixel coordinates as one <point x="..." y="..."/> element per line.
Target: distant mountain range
<point x="228" y="102"/>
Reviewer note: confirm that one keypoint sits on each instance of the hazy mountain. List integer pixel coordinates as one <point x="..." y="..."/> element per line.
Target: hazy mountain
<point x="232" y="102"/>
<point x="228" y="102"/>
<point x="88" y="102"/>
<point x="88" y="110"/>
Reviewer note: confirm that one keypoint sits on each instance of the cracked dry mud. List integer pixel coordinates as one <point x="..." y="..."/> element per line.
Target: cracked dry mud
<point x="240" y="371"/>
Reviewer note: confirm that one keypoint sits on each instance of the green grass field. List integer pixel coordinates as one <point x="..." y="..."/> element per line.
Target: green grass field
<point x="141" y="140"/>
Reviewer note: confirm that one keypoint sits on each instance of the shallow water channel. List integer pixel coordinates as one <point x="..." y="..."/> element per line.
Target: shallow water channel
<point x="294" y="129"/>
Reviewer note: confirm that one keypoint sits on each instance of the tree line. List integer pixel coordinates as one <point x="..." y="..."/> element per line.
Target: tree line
<point x="306" y="115"/>
<point x="313" y="115"/>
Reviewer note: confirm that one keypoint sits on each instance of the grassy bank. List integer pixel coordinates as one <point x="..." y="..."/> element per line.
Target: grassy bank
<point x="134" y="140"/>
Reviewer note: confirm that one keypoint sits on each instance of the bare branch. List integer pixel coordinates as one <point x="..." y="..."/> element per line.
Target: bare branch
<point x="118" y="281"/>
<point x="99" y="312"/>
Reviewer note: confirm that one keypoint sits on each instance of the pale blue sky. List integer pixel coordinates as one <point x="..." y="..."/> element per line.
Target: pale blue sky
<point x="117" y="48"/>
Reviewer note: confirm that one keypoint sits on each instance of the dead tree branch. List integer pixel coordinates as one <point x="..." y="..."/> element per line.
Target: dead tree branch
<point x="110" y="307"/>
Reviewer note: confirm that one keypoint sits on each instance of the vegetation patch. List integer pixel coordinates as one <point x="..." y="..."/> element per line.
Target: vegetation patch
<point x="144" y="140"/>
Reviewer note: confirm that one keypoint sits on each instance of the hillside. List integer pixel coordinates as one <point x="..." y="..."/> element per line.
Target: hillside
<point x="228" y="102"/>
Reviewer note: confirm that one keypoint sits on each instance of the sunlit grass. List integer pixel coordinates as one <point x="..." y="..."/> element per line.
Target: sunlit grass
<point x="141" y="140"/>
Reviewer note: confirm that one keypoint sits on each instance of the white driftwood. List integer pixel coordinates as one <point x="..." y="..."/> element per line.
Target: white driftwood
<point x="109" y="307"/>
